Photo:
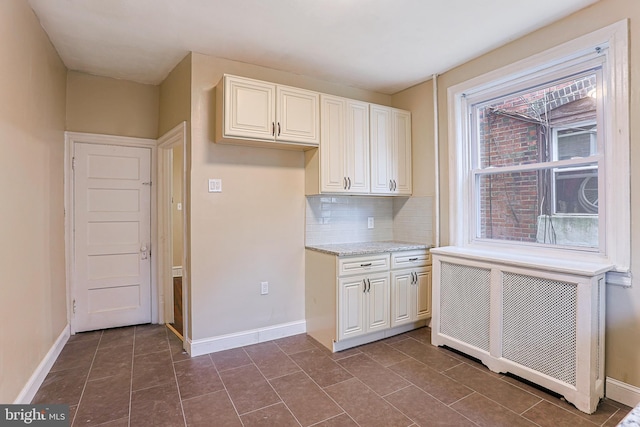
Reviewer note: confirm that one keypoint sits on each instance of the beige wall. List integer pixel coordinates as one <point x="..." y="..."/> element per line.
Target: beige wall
<point x="111" y="106"/>
<point x="623" y="305"/>
<point x="175" y="97"/>
<point x="32" y="289"/>
<point x="254" y="230"/>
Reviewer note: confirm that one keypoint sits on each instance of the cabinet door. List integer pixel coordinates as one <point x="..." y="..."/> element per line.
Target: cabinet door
<point x="333" y="177"/>
<point x="298" y="115"/>
<point x="377" y="302"/>
<point x="402" y="151"/>
<point x="402" y="297"/>
<point x="423" y="294"/>
<point x="351" y="308"/>
<point x="357" y="146"/>
<point x="249" y="107"/>
<point x="381" y="149"/>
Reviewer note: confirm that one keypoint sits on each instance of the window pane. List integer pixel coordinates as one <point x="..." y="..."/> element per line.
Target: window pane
<point x="518" y="129"/>
<point x="520" y="206"/>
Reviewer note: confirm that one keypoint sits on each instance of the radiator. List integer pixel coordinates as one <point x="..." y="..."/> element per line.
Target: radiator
<point x="542" y="323"/>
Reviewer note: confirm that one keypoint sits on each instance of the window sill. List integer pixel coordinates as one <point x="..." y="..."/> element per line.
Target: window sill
<point x="574" y="267"/>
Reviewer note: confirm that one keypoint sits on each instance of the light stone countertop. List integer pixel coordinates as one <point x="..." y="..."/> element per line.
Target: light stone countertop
<point x="367" y="248"/>
<point x="632" y="419"/>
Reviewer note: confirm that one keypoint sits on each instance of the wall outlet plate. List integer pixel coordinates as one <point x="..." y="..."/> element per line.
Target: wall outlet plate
<point x="264" y="288"/>
<point x="370" y="222"/>
<point x="215" y="185"/>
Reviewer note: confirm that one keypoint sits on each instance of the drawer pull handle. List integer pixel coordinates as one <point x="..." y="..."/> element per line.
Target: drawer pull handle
<point x="368" y="264"/>
<point x="413" y="259"/>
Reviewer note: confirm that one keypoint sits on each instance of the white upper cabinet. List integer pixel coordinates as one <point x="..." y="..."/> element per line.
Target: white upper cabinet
<point x="253" y="111"/>
<point x="344" y="145"/>
<point x="390" y="150"/>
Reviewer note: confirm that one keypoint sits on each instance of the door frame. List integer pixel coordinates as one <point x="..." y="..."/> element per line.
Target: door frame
<point x="166" y="143"/>
<point x="70" y="139"/>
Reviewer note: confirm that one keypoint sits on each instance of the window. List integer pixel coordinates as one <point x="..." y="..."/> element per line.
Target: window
<point x="540" y="153"/>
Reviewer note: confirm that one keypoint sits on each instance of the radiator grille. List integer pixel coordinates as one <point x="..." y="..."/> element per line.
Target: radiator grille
<point x="539" y="325"/>
<point x="464" y="303"/>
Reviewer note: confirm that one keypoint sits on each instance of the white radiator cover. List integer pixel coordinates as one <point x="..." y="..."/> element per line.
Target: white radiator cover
<point x="541" y="321"/>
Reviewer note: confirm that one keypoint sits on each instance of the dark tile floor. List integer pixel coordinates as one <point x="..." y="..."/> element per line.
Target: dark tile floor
<point x="139" y="376"/>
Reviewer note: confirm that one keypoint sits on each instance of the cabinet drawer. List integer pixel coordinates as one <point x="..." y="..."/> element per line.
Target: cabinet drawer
<point x="408" y="259"/>
<point x="363" y="264"/>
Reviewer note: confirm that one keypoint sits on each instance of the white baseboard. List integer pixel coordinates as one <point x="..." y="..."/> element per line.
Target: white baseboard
<point x="37" y="378"/>
<point x="254" y="336"/>
<point x="622" y="392"/>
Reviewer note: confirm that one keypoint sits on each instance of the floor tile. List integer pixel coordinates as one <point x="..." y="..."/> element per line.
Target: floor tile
<point x="273" y="416"/>
<point x="103" y="400"/>
<point x="343" y="420"/>
<point x="427" y="354"/>
<point x="85" y="336"/>
<point x="197" y="376"/>
<point x="150" y="340"/>
<point x="111" y="361"/>
<point x="61" y="387"/>
<point x="383" y="353"/>
<point x="494" y="388"/>
<point x="364" y="406"/>
<point x="486" y="412"/>
<point x="604" y="411"/>
<point x="230" y="359"/>
<point x="157" y="407"/>
<point x="201" y="411"/>
<point x="424" y="410"/>
<point x="320" y="368"/>
<point x="117" y="337"/>
<point x="178" y="353"/>
<point x="378" y="378"/>
<point x="546" y="414"/>
<point x="248" y="389"/>
<point x="305" y="399"/>
<point x="77" y="355"/>
<point x="296" y="343"/>
<point x="437" y="385"/>
<point x="421" y="334"/>
<point x="308" y="385"/>
<point x="271" y="361"/>
<point x="152" y="369"/>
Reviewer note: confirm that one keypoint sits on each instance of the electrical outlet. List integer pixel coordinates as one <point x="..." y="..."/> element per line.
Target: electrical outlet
<point x="215" y="186"/>
<point x="370" y="222"/>
<point x="264" y="288"/>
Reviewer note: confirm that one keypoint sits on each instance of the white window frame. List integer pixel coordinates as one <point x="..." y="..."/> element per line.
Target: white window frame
<point x="611" y="41"/>
<point x="593" y="149"/>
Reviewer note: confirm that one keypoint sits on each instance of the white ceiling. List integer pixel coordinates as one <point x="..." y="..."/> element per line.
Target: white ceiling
<point x="379" y="45"/>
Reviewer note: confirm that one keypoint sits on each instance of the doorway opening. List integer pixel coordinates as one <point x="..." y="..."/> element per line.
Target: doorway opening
<point x="172" y="220"/>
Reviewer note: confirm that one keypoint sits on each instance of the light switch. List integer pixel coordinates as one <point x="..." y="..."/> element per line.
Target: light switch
<point x="215" y="186"/>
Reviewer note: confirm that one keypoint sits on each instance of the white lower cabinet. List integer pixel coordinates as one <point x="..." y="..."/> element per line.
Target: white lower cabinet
<point x="410" y="295"/>
<point x="349" y="300"/>
<point x="364" y="304"/>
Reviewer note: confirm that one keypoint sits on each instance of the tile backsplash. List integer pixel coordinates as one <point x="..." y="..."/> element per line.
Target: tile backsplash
<point x="343" y="219"/>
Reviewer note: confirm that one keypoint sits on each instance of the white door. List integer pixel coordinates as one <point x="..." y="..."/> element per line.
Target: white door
<point x="378" y="302"/>
<point x="112" y="237"/>
<point x="381" y="150"/>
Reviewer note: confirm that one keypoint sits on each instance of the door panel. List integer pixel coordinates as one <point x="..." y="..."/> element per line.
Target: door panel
<point x="112" y="236"/>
